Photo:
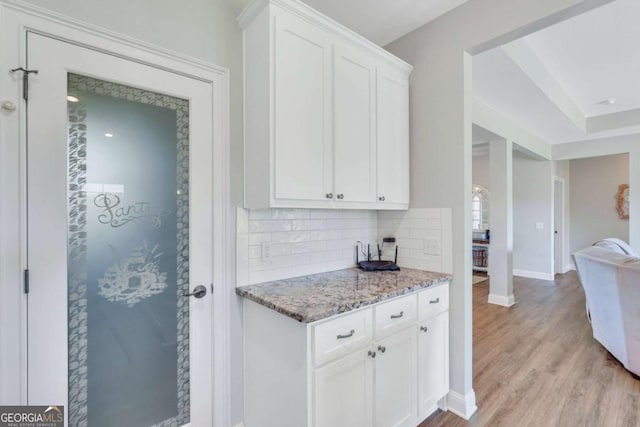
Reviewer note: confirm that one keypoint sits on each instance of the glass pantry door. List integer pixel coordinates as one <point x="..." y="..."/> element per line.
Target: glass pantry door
<point x="119" y="246"/>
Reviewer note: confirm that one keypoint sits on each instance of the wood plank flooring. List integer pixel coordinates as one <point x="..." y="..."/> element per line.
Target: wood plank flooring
<point x="537" y="364"/>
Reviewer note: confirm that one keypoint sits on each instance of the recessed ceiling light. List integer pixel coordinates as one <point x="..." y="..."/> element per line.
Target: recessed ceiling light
<point x="72" y="98"/>
<point x="108" y="135"/>
<point x="609" y="101"/>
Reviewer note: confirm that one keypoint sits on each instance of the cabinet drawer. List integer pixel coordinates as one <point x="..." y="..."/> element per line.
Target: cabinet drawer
<point x="394" y="316"/>
<point x="341" y="336"/>
<point x="433" y="301"/>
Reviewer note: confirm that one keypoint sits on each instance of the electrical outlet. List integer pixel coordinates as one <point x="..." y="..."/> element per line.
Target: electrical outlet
<point x="432" y="246"/>
<point x="266" y="250"/>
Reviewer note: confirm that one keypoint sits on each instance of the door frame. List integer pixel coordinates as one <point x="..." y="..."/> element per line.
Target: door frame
<point x="16" y="18"/>
<point x="560" y="227"/>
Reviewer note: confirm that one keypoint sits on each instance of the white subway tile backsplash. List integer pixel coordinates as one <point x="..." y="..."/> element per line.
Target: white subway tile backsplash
<point x="304" y="241"/>
<point x="326" y="234"/>
<point x="259" y="238"/>
<point x="291" y="260"/>
<point x="255" y="251"/>
<point x="414" y="223"/>
<point x="409" y="243"/>
<point x="282" y="249"/>
<point x="309" y="224"/>
<point x="290" y="237"/>
<point x="411" y="228"/>
<point x="308" y="241"/>
<point x="259" y="264"/>
<point x="340" y="244"/>
<point x="278" y="214"/>
<point x="266" y="226"/>
<point x="305" y="247"/>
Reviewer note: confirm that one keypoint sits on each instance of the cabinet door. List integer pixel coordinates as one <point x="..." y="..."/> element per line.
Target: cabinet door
<point x="355" y="125"/>
<point x="433" y="363"/>
<point x="395" y="380"/>
<point x="343" y="392"/>
<point x="302" y="137"/>
<point x="393" y="137"/>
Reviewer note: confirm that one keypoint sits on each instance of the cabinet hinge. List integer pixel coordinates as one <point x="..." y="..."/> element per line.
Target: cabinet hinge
<point x="25" y="80"/>
<point x="26" y="281"/>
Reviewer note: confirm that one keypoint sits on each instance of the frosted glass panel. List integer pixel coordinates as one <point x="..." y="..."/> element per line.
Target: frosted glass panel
<point x="128" y="256"/>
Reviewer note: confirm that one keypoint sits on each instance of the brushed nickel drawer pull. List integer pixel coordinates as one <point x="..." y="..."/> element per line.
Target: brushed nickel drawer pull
<point x="372" y="354"/>
<point x="382" y="348"/>
<point x="437" y="300"/>
<point x="397" y="316"/>
<point x="349" y="335"/>
<point x="424" y="328"/>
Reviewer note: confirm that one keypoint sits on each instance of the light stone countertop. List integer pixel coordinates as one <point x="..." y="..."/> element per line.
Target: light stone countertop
<point x="318" y="296"/>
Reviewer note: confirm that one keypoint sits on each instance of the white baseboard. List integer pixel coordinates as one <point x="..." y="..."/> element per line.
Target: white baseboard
<point x="533" y="274"/>
<point x="568" y="268"/>
<point x="462" y="405"/>
<point x="505" y="301"/>
<point x="239" y="425"/>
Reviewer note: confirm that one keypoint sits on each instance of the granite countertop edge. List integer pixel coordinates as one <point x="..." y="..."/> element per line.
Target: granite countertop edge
<point x="341" y="308"/>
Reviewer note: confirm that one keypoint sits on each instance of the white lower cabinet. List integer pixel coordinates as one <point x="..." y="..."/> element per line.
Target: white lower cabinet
<point x="433" y="368"/>
<point x="395" y="380"/>
<point x="342" y="394"/>
<point x="386" y="365"/>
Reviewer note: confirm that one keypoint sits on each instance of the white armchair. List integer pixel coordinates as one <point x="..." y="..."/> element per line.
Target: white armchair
<point x="611" y="281"/>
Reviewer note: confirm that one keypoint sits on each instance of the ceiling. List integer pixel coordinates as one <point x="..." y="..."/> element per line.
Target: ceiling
<point x="552" y="82"/>
<point x="381" y="21"/>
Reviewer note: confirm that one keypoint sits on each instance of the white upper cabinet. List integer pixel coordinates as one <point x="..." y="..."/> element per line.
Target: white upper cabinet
<point x="355" y="125"/>
<point x="393" y="137"/>
<point x="325" y="113"/>
<point x="302" y="94"/>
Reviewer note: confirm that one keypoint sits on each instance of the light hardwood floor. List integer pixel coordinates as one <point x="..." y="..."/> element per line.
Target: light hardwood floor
<point x="537" y="364"/>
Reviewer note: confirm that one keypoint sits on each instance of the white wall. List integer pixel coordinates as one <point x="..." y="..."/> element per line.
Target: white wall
<point x="594" y="185"/>
<point x="607" y="146"/>
<point x="532" y="203"/>
<point x="441" y="114"/>
<point x="481" y="171"/>
<point x="204" y="29"/>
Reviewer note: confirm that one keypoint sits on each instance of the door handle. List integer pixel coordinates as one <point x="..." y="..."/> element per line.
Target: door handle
<point x="198" y="292"/>
<point x="397" y="316"/>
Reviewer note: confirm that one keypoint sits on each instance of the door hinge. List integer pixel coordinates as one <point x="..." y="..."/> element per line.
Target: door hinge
<point x="26" y="281"/>
<point x="25" y="80"/>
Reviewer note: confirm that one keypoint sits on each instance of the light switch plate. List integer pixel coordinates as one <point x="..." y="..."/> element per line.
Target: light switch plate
<point x="432" y="246"/>
<point x="266" y="250"/>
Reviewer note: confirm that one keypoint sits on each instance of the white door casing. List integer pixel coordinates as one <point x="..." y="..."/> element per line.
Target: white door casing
<point x="17" y="21"/>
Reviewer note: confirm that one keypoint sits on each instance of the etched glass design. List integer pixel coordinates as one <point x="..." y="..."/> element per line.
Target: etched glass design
<point x="128" y="256"/>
